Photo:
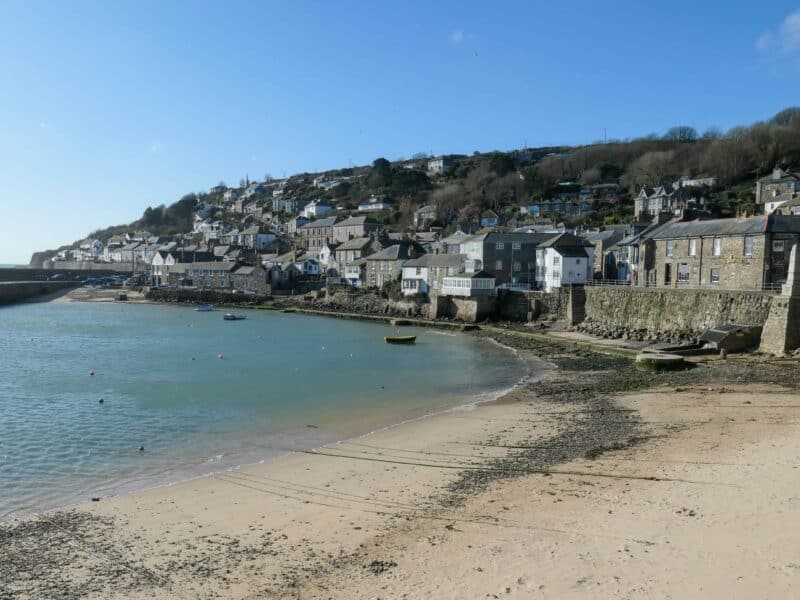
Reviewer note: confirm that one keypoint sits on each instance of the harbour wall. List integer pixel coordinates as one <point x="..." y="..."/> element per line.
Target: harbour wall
<point x="673" y="310"/>
<point x="17" y="291"/>
<point x="36" y="274"/>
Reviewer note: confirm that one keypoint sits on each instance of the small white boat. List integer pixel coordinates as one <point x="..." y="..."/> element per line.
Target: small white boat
<point x="205" y="308"/>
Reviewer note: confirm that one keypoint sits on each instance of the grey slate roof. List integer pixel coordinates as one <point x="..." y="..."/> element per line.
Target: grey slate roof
<point x="437" y="260"/>
<point x="563" y="241"/>
<point x="354" y="244"/>
<point x="355" y="221"/>
<point x="717" y="227"/>
<point x="326" y="222"/>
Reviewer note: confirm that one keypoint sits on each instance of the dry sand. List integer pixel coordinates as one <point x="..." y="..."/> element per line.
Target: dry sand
<point x="708" y="506"/>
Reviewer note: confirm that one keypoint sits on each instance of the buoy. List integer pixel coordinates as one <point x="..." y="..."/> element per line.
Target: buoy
<point x="221" y="356"/>
<point x="91" y="373"/>
<point x="141" y="448"/>
<point x="101" y="401"/>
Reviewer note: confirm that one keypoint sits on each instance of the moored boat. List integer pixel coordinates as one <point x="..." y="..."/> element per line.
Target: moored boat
<point x="233" y="317"/>
<point x="205" y="308"/>
<point x="400" y="339"/>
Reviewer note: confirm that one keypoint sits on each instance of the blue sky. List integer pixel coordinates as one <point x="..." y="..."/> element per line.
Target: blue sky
<point x="109" y="107"/>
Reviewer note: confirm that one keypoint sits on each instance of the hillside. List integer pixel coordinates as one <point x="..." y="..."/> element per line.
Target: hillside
<point x="503" y="181"/>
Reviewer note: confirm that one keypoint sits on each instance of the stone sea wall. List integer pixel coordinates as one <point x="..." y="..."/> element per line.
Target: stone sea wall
<point x="17" y="291"/>
<point x="674" y="312"/>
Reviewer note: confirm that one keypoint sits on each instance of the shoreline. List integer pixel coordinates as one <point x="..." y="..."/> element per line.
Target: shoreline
<point x="534" y="367"/>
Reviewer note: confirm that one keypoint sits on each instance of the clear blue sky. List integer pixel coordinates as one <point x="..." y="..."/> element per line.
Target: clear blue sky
<point x="108" y="107"/>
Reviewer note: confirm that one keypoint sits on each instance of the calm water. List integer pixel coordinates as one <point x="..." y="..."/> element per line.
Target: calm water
<point x="165" y="387"/>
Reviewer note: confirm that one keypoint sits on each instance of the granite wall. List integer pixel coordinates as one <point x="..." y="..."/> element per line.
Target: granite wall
<point x="674" y="310"/>
<point x="16" y="291"/>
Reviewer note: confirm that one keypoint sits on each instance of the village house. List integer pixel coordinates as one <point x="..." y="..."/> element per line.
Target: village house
<point x="429" y="240"/>
<point x="662" y="199"/>
<point x="424" y="215"/>
<point x="254" y="238"/>
<point x="771" y="189"/>
<point x="746" y="254"/>
<point x="354" y="227"/>
<point x="562" y="260"/>
<point x="376" y="204"/>
<point x="469" y="285"/>
<point x="313" y="235"/>
<point x="90" y="250"/>
<point x="355" y="272"/>
<point x="508" y="257"/>
<point x="230" y="196"/>
<point x="697" y="182"/>
<point x="288" y="205"/>
<point x="250" y="279"/>
<point x="441" y="164"/>
<point x="452" y="243"/>
<point x="356" y="248"/>
<point x="489" y="218"/>
<point x="295" y="223"/>
<point x="316" y="209"/>
<point x="605" y="265"/>
<point x="327" y="256"/>
<point x="203" y="275"/>
<point x="386" y="265"/>
<point x="425" y="275"/>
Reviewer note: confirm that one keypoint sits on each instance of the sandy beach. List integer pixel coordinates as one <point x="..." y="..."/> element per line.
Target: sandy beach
<point x="598" y="481"/>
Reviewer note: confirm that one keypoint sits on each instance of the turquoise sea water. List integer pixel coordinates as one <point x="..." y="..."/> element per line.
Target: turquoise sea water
<point x="285" y="381"/>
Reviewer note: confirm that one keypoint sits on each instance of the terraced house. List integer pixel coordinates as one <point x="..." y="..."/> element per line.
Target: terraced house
<point x="746" y="254"/>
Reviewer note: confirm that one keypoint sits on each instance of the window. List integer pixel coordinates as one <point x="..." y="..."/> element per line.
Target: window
<point x="517" y="266"/>
<point x="556" y="260"/>
<point x="714" y="275"/>
<point x="670" y="247"/>
<point x="778" y="246"/>
<point x="748" y="245"/>
<point x="499" y="246"/>
<point x="683" y="272"/>
<point x="717" y="248"/>
<point x="692" y="247"/>
<point x="577" y="261"/>
<point x="498" y="265"/>
<point x="516" y="246"/>
<point x="419" y="270"/>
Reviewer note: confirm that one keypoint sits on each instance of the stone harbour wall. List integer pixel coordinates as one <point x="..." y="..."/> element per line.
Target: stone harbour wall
<point x="17" y="291"/>
<point x="650" y="313"/>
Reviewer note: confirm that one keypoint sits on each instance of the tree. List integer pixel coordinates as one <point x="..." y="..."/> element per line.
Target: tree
<point x="501" y="163"/>
<point x="786" y="117"/>
<point x="681" y="133"/>
<point x="712" y="133"/>
<point x="380" y="174"/>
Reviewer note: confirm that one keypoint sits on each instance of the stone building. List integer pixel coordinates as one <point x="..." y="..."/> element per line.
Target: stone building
<point x="386" y="265"/>
<point x="354" y="227"/>
<point x="776" y="184"/>
<point x="652" y="201"/>
<point x="744" y="254"/>
<point x="316" y="234"/>
<point x="250" y="279"/>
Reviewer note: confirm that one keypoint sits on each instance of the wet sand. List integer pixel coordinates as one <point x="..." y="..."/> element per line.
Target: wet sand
<point x="599" y="481"/>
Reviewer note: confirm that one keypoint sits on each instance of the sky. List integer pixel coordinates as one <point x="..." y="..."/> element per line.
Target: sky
<point x="109" y="107"/>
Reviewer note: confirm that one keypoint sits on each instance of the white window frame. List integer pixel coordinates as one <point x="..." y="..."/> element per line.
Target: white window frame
<point x="499" y="246"/>
<point x="716" y="248"/>
<point x="693" y="247"/>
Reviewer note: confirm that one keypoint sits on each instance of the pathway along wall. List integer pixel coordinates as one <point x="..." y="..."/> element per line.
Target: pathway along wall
<point x="673" y="310"/>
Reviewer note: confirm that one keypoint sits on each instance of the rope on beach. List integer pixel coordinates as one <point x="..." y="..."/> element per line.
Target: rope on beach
<point x="525" y="471"/>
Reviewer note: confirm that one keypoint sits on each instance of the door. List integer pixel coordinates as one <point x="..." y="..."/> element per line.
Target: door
<point x="667" y="274"/>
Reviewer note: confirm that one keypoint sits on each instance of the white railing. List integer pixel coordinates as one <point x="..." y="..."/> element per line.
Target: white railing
<point x="773" y="288"/>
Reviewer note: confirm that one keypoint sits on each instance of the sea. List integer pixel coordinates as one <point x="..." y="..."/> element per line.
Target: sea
<point x="200" y="394"/>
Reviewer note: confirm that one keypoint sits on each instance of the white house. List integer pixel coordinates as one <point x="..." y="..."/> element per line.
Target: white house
<point x="562" y="260"/>
<point x="327" y="256"/>
<point x="355" y="272"/>
<point x="159" y="267"/>
<point x="317" y="208"/>
<point x="376" y="204"/>
<point x="91" y="249"/>
<point x="230" y="196"/>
